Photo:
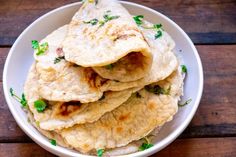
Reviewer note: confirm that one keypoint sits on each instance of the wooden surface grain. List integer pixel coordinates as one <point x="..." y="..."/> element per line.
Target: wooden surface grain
<point x="196" y="147"/>
<point x="211" y="25"/>
<point x="205" y="21"/>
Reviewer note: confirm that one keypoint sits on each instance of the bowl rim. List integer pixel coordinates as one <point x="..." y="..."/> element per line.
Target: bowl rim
<point x="59" y="151"/>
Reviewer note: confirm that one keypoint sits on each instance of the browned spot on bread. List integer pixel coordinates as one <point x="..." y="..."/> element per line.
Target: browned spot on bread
<point x="121" y="30"/>
<point x="103" y="81"/>
<point x="90" y="77"/>
<point x="120" y="33"/>
<point x="105" y="125"/>
<point x="124" y="117"/>
<point x="85" y="146"/>
<point x="131" y="131"/>
<point x="67" y="109"/>
<point x="124" y="37"/>
<point x="93" y="78"/>
<point x="119" y="129"/>
<point x="151" y="105"/>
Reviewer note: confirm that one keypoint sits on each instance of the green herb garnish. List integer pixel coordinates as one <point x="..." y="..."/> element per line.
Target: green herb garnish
<point x="138" y="95"/>
<point x="156" y="89"/>
<point x="58" y="59"/>
<point x="100" y="152"/>
<point x="145" y="145"/>
<point x="40" y="105"/>
<point x="53" y="142"/>
<point x="21" y="100"/>
<point x="109" y="18"/>
<point x="40" y="48"/>
<point x="106" y="17"/>
<point x="158" y="34"/>
<point x="109" y="67"/>
<point x="185" y="103"/>
<point x="92" y="22"/>
<point x="157" y="26"/>
<point x="138" y="19"/>
<point x="35" y="44"/>
<point x="184" y="69"/>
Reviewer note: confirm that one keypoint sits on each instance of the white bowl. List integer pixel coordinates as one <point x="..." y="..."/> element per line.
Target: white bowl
<point x="20" y="58"/>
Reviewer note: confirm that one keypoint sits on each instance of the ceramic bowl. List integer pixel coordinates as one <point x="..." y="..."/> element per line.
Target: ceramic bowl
<point x="20" y="58"/>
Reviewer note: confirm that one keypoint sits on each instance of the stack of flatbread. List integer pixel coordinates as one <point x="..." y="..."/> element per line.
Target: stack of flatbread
<point x="107" y="83"/>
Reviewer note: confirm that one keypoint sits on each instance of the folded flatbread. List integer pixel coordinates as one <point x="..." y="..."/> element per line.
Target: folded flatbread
<point x="133" y="120"/>
<point x="164" y="61"/>
<point x="64" y="81"/>
<point x="103" y="35"/>
<point x="60" y="115"/>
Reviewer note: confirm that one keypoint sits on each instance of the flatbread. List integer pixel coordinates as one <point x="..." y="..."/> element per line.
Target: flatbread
<point x="117" y="42"/>
<point x="164" y="61"/>
<point x="49" y="134"/>
<point x="65" y="81"/>
<point x="64" y="115"/>
<point x="60" y="115"/>
<point x="133" y="120"/>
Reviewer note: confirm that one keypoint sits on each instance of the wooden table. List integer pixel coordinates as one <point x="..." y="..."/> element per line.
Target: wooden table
<point x="211" y="24"/>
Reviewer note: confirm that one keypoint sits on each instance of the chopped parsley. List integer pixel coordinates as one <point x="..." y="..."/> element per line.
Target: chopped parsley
<point x="35" y="44"/>
<point x="109" y="18"/>
<point x="138" y="95"/>
<point x="138" y="19"/>
<point x="184" y="69"/>
<point x="40" y="48"/>
<point x="156" y="89"/>
<point x="92" y="22"/>
<point x="157" y="27"/>
<point x="185" y="103"/>
<point x="40" y="105"/>
<point x="109" y="67"/>
<point x="158" y="34"/>
<point x="58" y="59"/>
<point x="53" y="142"/>
<point x="106" y="17"/>
<point x="100" y="152"/>
<point x="21" y="100"/>
<point x="145" y="145"/>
